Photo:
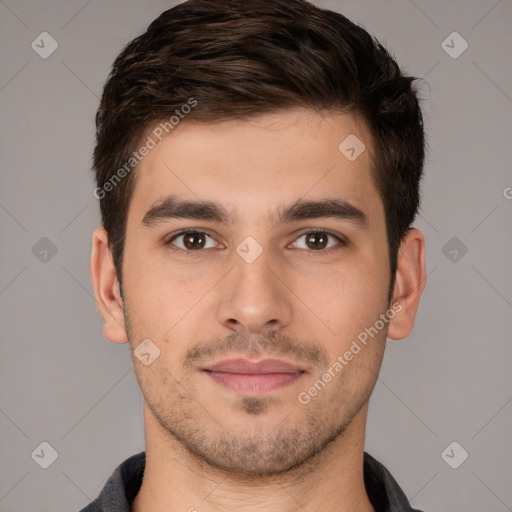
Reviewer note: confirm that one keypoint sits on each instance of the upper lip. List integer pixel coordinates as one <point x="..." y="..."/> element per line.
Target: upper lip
<point x="253" y="367"/>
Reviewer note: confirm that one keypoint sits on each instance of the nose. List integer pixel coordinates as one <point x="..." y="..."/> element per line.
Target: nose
<point x="254" y="298"/>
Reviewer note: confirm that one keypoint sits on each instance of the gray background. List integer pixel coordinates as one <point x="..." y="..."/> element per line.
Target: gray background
<point x="63" y="383"/>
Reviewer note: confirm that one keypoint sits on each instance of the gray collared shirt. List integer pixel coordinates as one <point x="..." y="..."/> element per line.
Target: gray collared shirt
<point x="121" y="488"/>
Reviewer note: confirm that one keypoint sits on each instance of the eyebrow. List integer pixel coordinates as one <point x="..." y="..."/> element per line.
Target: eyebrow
<point x="171" y="207"/>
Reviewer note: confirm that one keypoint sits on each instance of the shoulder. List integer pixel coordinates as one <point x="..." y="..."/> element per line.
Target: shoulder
<point x="121" y="488"/>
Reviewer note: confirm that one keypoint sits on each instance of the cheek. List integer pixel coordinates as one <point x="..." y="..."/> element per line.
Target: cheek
<point x="357" y="281"/>
<point x="163" y="297"/>
<point x="348" y="299"/>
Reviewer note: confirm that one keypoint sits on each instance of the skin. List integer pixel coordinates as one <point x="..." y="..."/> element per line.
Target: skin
<point x="208" y="446"/>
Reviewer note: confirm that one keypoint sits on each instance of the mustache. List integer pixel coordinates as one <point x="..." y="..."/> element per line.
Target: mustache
<point x="274" y="343"/>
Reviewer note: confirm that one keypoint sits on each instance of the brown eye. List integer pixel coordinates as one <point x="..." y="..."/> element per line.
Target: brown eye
<point x="318" y="241"/>
<point x="192" y="241"/>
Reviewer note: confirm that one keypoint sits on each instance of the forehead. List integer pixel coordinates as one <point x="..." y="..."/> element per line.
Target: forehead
<point x="256" y="166"/>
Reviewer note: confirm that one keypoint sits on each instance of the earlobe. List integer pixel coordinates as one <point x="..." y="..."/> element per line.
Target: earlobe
<point x="106" y="288"/>
<point x="410" y="280"/>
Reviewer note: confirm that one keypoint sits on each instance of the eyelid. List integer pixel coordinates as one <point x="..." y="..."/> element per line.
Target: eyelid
<point x="304" y="231"/>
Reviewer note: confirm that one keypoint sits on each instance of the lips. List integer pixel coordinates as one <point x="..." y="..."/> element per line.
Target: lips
<point x="253" y="377"/>
<point x="247" y="366"/>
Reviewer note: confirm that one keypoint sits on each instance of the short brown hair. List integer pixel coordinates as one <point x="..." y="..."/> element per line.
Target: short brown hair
<point x="238" y="59"/>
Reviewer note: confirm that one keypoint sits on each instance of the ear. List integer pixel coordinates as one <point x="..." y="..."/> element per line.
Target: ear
<point x="106" y="288"/>
<point x="410" y="280"/>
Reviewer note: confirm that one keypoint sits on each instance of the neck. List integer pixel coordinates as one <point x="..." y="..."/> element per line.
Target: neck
<point x="175" y="480"/>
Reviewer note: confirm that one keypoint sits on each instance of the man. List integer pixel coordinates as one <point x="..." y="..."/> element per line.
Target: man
<point x="258" y="167"/>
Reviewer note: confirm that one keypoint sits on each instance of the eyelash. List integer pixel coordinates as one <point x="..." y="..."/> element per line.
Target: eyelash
<point x="342" y="242"/>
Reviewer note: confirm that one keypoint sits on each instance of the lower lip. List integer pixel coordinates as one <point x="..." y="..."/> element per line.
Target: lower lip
<point x="254" y="383"/>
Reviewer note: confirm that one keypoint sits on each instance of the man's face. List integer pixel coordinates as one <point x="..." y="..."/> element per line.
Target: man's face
<point x="256" y="286"/>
